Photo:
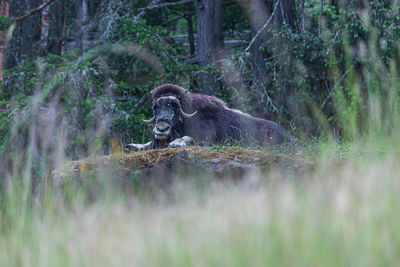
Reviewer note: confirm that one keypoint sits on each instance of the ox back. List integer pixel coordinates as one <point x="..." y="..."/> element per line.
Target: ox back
<point x="215" y="123"/>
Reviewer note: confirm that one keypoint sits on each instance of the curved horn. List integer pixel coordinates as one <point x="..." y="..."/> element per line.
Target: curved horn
<point x="185" y="115"/>
<point x="151" y="120"/>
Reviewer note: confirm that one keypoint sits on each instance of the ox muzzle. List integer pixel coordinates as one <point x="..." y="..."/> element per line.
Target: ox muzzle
<point x="162" y="131"/>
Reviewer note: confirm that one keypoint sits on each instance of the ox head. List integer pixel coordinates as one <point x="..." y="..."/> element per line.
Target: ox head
<point x="168" y="117"/>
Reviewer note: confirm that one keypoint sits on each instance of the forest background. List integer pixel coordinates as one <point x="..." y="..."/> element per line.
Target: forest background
<point x="294" y="62"/>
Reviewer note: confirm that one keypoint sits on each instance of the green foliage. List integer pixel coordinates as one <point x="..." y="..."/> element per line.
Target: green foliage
<point x="5" y="23"/>
<point x="235" y="19"/>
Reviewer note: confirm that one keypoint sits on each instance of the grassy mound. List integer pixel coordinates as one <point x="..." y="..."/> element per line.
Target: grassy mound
<point x="231" y="162"/>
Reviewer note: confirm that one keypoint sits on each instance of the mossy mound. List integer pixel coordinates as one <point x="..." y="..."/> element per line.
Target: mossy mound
<point x="165" y="164"/>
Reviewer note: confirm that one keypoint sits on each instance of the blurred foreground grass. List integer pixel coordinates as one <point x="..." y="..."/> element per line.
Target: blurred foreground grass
<point x="342" y="212"/>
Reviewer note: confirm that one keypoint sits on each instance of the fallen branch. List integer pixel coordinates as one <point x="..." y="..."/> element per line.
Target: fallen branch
<point x="32" y="11"/>
<point x="150" y="7"/>
<point x="263" y="27"/>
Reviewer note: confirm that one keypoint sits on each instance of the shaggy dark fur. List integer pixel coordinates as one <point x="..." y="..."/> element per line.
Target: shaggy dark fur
<point x="216" y="123"/>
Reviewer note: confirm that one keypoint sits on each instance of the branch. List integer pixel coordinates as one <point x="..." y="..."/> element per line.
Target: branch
<point x="334" y="88"/>
<point x="302" y="16"/>
<point x="319" y="18"/>
<point x="32" y="11"/>
<point x="140" y="103"/>
<point x="176" y="18"/>
<point x="191" y="61"/>
<point x="144" y="10"/>
<point x="150" y="7"/>
<point x="262" y="28"/>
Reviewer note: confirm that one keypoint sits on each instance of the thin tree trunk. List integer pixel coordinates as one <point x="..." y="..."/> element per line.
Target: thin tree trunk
<point x="286" y="13"/>
<point x="190" y="29"/>
<point x="218" y="24"/>
<point x="192" y="48"/>
<point x="83" y="17"/>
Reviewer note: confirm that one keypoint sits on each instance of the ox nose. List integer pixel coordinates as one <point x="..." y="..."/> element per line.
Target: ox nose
<point x="163" y="127"/>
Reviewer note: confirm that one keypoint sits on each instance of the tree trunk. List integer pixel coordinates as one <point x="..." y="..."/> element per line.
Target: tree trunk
<point x="210" y="42"/>
<point x="286" y="13"/>
<point x="25" y="40"/>
<point x="260" y="10"/>
<point x="259" y="14"/>
<point x="56" y="31"/>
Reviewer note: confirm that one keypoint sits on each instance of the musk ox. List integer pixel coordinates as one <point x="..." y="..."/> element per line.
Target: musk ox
<point x="181" y="117"/>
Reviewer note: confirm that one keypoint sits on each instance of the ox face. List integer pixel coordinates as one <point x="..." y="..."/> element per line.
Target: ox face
<point x="168" y="117"/>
